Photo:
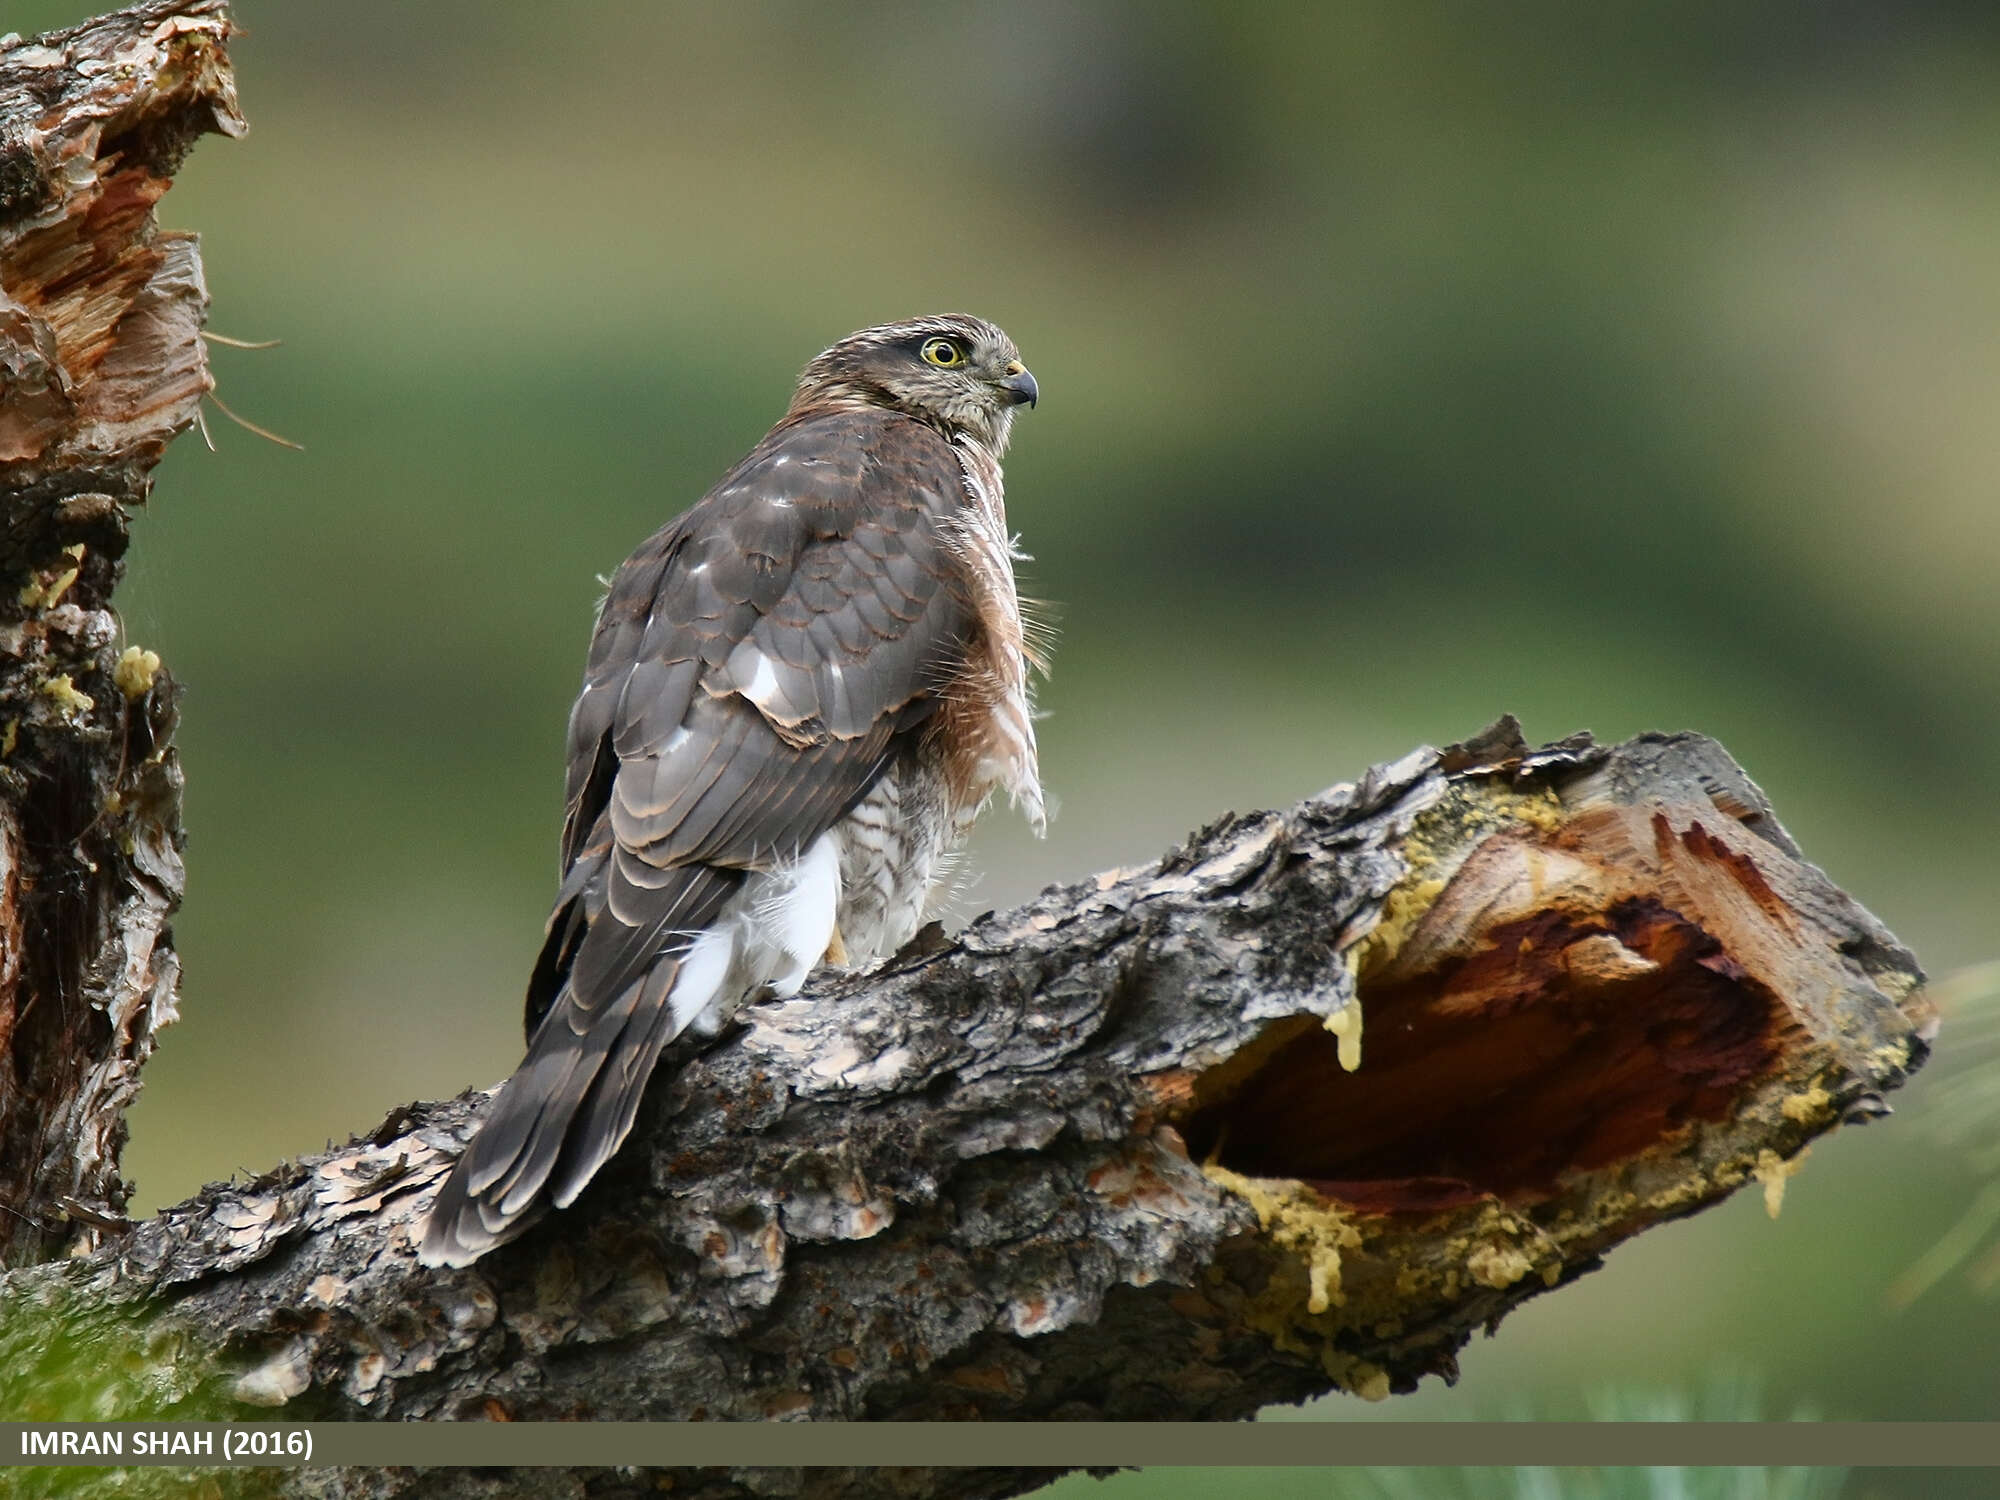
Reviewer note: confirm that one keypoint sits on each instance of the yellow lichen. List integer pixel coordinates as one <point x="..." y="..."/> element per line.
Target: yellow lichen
<point x="1498" y="1266"/>
<point x="1891" y="1057"/>
<point x="38" y="594"/>
<point x="1402" y="909"/>
<point x="1613" y="1204"/>
<point x="1808" y="1106"/>
<point x="1897" y="984"/>
<point x="1345" y="1024"/>
<point x="1684" y="1192"/>
<point x="1295" y="1304"/>
<point x="1313" y="1228"/>
<point x="1369" y="1382"/>
<point x="60" y="587"/>
<point x="1773" y="1171"/>
<point x="66" y="697"/>
<point x="135" y="672"/>
<point x="9" y="737"/>
<point x="1492" y="1251"/>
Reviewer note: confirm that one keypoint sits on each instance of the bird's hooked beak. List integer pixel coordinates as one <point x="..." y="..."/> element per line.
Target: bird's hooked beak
<point x="1019" y="384"/>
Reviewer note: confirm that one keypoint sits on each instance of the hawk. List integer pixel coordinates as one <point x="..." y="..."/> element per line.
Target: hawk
<point x="799" y="695"/>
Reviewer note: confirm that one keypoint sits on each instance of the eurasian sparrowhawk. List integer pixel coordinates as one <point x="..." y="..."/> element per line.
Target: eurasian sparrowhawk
<point x="799" y="695"/>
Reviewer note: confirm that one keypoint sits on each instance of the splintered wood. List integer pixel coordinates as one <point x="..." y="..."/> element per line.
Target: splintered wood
<point x="1585" y="1013"/>
<point x="1574" y="995"/>
<point x="100" y="311"/>
<point x="101" y="364"/>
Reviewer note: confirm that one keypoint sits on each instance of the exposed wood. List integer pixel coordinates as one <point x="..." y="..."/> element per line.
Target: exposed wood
<point x="101" y="364"/>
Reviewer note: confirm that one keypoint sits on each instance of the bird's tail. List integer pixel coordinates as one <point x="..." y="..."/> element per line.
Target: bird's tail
<point x="572" y="1101"/>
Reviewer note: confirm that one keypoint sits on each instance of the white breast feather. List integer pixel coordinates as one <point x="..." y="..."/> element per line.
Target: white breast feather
<point x="696" y="1000"/>
<point x="769" y="934"/>
<point x="793" y="909"/>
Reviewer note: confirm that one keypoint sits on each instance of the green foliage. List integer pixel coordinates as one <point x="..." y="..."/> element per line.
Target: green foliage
<point x="135" y="1483"/>
<point x="67" y="1355"/>
<point x="1598" y="1484"/>
<point x="1729" y="1394"/>
<point x="1960" y="1111"/>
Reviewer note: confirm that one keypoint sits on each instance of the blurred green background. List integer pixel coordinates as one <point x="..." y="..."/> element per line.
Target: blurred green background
<point x="1624" y="367"/>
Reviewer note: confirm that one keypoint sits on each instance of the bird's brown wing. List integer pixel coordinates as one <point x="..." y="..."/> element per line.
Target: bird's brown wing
<point x="756" y="665"/>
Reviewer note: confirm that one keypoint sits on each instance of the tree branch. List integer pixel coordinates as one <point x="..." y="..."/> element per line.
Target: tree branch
<point x="1098" y="1156"/>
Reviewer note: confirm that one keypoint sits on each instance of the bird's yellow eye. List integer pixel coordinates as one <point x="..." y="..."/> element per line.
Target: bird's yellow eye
<point x="943" y="352"/>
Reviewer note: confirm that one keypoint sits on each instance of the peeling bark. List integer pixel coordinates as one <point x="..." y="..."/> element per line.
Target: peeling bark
<point x="101" y="364"/>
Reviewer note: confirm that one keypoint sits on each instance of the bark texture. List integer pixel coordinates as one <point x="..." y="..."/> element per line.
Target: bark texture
<point x="1098" y="1157"/>
<point x="101" y="364"/>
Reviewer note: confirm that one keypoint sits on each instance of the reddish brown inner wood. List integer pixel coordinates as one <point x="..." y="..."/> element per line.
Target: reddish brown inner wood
<point x="1505" y="1071"/>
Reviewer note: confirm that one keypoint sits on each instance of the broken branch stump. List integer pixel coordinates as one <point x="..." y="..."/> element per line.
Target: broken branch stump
<point x="101" y="364"/>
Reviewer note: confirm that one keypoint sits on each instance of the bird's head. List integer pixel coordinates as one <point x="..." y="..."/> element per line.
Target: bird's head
<point x="957" y="372"/>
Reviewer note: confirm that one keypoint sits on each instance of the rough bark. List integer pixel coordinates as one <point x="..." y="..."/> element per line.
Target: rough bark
<point x="101" y="364"/>
<point x="1124" y="1152"/>
<point x="1099" y="1156"/>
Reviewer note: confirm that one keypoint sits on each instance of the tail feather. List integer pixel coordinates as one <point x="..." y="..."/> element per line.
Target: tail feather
<point x="583" y="1058"/>
<point x="605" y="1116"/>
<point x="571" y="1103"/>
<point x="529" y="1110"/>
